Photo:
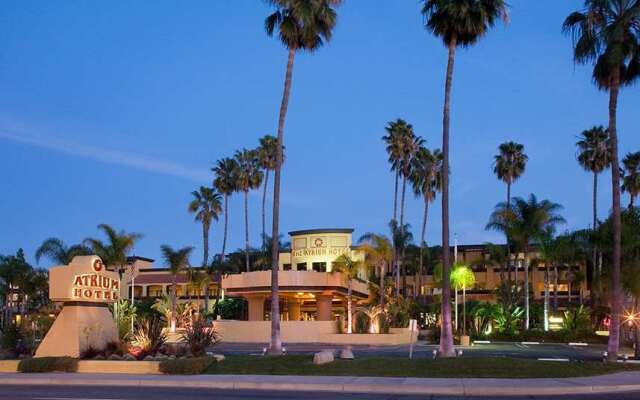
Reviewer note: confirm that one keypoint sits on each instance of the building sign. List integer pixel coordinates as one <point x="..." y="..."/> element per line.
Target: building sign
<point x="85" y="279"/>
<point x="321" y="251"/>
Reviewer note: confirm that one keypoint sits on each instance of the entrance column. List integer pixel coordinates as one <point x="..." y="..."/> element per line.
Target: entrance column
<point x="323" y="307"/>
<point x="294" y="310"/>
<point x="256" y="308"/>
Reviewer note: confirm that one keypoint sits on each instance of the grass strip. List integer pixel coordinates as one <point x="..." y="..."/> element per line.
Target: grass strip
<point x="471" y="367"/>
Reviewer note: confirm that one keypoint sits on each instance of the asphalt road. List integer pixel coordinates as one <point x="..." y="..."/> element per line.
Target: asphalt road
<point x="422" y="350"/>
<point x="127" y="393"/>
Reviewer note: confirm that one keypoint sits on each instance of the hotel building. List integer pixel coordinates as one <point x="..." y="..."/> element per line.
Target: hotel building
<point x="311" y="289"/>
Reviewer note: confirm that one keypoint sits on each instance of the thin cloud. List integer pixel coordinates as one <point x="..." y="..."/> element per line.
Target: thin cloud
<point x="101" y="154"/>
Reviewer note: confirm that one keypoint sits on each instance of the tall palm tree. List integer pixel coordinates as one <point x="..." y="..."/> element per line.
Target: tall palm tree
<point x="116" y="250"/>
<point x="509" y="164"/>
<point x="631" y="180"/>
<point x="176" y="260"/>
<point x="457" y="23"/>
<point x="605" y="33"/>
<point x="393" y="141"/>
<point x="226" y="183"/>
<point x="206" y="207"/>
<point x="301" y="25"/>
<point x="267" y="159"/>
<point x="58" y="252"/>
<point x="525" y="221"/>
<point x="426" y="178"/>
<point x="349" y="268"/>
<point x="594" y="155"/>
<point x="249" y="177"/>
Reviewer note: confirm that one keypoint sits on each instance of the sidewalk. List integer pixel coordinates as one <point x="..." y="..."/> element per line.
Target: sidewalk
<point x="620" y="382"/>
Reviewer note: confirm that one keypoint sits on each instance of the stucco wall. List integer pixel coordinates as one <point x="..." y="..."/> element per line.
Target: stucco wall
<point x="304" y="332"/>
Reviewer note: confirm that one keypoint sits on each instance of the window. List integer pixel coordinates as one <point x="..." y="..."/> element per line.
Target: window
<point x="319" y="266"/>
<point x="301" y="266"/>
<point x="286" y="267"/>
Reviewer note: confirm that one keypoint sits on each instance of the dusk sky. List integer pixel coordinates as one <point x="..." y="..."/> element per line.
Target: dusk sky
<point x="113" y="112"/>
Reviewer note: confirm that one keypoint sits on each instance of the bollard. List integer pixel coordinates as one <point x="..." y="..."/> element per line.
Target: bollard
<point x="435" y="354"/>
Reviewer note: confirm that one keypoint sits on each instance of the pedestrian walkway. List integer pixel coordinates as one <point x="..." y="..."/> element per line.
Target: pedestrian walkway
<point x="620" y="382"/>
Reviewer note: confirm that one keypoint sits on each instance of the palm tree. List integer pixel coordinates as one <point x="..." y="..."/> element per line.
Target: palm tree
<point x="219" y="268"/>
<point x="176" y="260"/>
<point x="349" y="268"/>
<point x="267" y="160"/>
<point x="457" y="23"/>
<point x="301" y="25"/>
<point x="426" y="180"/>
<point x="249" y="177"/>
<point x="378" y="251"/>
<point x="631" y="180"/>
<point x="462" y="277"/>
<point x="605" y="33"/>
<point x="594" y="155"/>
<point x="393" y="141"/>
<point x="509" y="165"/>
<point x="58" y="252"/>
<point x="401" y="237"/>
<point x="206" y="207"/>
<point x="525" y="221"/>
<point x="116" y="250"/>
<point x="225" y="182"/>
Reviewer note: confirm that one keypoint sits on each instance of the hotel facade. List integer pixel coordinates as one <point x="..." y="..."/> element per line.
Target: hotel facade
<point x="312" y="290"/>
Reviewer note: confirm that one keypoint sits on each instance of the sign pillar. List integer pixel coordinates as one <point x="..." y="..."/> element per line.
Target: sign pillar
<point x="85" y="287"/>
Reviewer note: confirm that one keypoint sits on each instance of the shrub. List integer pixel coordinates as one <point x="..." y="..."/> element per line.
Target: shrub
<point x="90" y="352"/>
<point x="361" y="323"/>
<point x="199" y="336"/>
<point x="11" y="339"/>
<point x="48" y="364"/>
<point x="186" y="366"/>
<point x="149" y="337"/>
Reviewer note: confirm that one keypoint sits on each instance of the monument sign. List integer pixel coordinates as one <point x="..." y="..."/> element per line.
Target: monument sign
<point x="85" y="287"/>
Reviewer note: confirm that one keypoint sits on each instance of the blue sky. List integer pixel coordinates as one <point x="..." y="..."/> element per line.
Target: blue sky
<point x="114" y="112"/>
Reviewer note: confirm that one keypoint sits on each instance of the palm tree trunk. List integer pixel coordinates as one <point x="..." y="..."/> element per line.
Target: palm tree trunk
<point x="264" y="202"/>
<point x="636" y="328"/>
<point x="632" y="201"/>
<point x="173" y="303"/>
<point x="382" y="273"/>
<point x="616" y="292"/>
<point x="349" y="312"/>
<point x="276" y="342"/>
<point x="206" y="299"/>
<point x="555" y="287"/>
<point x="422" y="234"/>
<point x="594" y="251"/>
<point x="402" y="266"/>
<point x="205" y="242"/>
<point x="446" y="335"/>
<point x="526" y="287"/>
<point x="395" y="198"/>
<point x="226" y="220"/>
<point x="246" y="229"/>
<point x="507" y="238"/>
<point x="546" y="298"/>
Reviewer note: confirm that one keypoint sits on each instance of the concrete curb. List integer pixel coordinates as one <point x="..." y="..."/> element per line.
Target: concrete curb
<point x="415" y="386"/>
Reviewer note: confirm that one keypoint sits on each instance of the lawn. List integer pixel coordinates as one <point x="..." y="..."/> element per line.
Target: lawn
<point x="420" y="368"/>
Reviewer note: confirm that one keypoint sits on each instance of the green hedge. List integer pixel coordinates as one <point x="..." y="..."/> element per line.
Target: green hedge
<point x="186" y="366"/>
<point x="536" y="335"/>
<point x="48" y="364"/>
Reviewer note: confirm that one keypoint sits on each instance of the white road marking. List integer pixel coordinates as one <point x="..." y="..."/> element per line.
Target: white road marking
<point x="69" y="398"/>
<point x="554" y="359"/>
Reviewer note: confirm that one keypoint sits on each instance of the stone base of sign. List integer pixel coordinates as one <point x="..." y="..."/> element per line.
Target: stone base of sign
<point x="79" y="326"/>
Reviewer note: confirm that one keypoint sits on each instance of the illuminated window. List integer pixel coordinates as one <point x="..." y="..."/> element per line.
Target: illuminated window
<point x="154" y="291"/>
<point x="319" y="266"/>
